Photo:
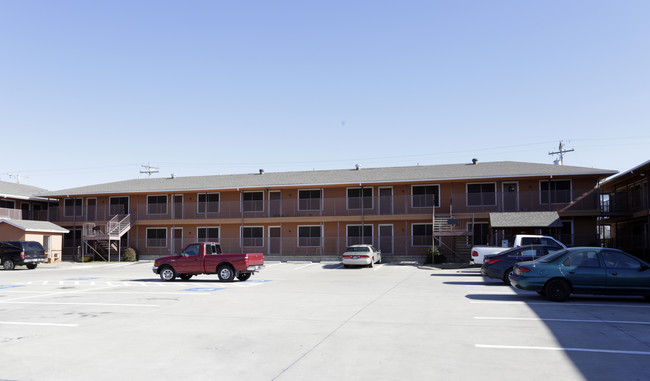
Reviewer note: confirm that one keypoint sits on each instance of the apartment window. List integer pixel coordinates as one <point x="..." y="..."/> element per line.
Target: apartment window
<point x="157" y="204"/>
<point x="253" y="201"/>
<point x="309" y="236"/>
<point x="9" y="204"/>
<point x="118" y="205"/>
<point x="309" y="199"/>
<point x="208" y="202"/>
<point x="252" y="236"/>
<point x="156" y="237"/>
<point x="358" y="197"/>
<point x="559" y="192"/>
<point x="425" y="196"/>
<point x="422" y="234"/>
<point x="482" y="194"/>
<point x="72" y="207"/>
<point x="72" y="238"/>
<point x="358" y="234"/>
<point x="208" y="234"/>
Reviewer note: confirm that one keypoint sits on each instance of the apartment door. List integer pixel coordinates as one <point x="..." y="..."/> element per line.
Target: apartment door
<point x="177" y="240"/>
<point x="386" y="239"/>
<point x="177" y="211"/>
<point x="275" y="204"/>
<point x="275" y="239"/>
<point x="386" y="200"/>
<point x="510" y="197"/>
<point x="91" y="209"/>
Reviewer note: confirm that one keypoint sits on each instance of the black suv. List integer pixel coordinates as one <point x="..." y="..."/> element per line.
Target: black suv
<point x="19" y="253"/>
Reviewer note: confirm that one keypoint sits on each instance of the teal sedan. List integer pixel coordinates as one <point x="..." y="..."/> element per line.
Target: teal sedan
<point x="583" y="270"/>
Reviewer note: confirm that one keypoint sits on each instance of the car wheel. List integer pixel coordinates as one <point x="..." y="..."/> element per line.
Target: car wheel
<point x="226" y="273"/>
<point x="557" y="290"/>
<point x="244" y="276"/>
<point x="185" y="276"/>
<point x="167" y="274"/>
<point x="32" y="266"/>
<point x="372" y="262"/>
<point x="506" y="276"/>
<point x="8" y="264"/>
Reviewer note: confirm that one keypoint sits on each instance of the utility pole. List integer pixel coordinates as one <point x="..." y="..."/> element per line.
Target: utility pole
<point x="561" y="151"/>
<point x="149" y="169"/>
<point x="17" y="176"/>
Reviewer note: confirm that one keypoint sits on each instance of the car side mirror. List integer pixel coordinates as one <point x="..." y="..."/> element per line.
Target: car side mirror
<point x="644" y="268"/>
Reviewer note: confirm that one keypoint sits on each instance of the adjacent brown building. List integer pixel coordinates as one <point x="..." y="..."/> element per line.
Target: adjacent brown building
<point x="626" y="211"/>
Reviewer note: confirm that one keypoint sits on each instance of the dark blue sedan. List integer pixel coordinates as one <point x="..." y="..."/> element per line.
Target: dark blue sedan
<point x="583" y="270"/>
<point x="499" y="266"/>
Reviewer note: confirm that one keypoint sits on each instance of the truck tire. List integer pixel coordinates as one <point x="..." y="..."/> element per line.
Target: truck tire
<point x="226" y="273"/>
<point x="243" y="276"/>
<point x="185" y="276"/>
<point x="32" y="266"/>
<point x="167" y="273"/>
<point x="8" y="264"/>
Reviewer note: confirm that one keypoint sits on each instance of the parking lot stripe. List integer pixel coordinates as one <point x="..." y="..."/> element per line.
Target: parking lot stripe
<point x="83" y="304"/>
<point x="558" y="304"/>
<point x="41" y="324"/>
<point x="304" y="267"/>
<point x="519" y="347"/>
<point x="563" y="320"/>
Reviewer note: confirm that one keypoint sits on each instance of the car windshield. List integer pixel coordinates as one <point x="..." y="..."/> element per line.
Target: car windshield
<point x="552" y="257"/>
<point x="357" y="249"/>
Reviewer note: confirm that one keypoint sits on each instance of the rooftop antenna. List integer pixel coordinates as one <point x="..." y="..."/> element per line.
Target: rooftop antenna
<point x="149" y="169"/>
<point x="17" y="176"/>
<point x="561" y="151"/>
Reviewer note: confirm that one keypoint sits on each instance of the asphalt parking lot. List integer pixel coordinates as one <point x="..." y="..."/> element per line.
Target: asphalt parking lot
<point x="309" y="321"/>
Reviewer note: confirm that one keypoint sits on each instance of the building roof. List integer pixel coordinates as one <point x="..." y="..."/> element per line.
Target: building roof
<point x="525" y="220"/>
<point x="20" y="191"/>
<point x="34" y="226"/>
<point x="640" y="170"/>
<point x="430" y="173"/>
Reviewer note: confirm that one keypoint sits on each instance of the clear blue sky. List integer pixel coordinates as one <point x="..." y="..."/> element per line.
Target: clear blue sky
<point x="92" y="90"/>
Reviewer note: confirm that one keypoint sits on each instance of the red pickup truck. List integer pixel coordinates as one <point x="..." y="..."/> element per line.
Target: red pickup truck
<point x="207" y="258"/>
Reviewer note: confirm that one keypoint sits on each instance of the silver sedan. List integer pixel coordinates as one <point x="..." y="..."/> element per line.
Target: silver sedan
<point x="361" y="255"/>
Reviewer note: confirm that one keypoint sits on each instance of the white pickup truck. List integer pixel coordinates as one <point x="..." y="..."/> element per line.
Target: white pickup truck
<point x="479" y="252"/>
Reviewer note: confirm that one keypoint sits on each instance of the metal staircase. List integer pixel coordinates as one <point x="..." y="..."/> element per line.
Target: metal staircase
<point x="104" y="240"/>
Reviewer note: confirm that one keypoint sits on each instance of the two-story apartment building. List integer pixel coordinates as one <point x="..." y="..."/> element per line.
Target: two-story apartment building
<point x="316" y="214"/>
<point x="626" y="211"/>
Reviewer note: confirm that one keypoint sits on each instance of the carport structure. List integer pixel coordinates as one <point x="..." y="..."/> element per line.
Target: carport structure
<point x="505" y="225"/>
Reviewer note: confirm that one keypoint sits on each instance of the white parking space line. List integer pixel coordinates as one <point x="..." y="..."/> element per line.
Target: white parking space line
<point x="38" y="324"/>
<point x="559" y="304"/>
<point x="563" y="320"/>
<point x="518" y="347"/>
<point x="304" y="266"/>
<point x="82" y="304"/>
<point x="378" y="266"/>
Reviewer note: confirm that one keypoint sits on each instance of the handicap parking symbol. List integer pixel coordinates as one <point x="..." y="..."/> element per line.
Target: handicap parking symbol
<point x="203" y="289"/>
<point x="7" y="286"/>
